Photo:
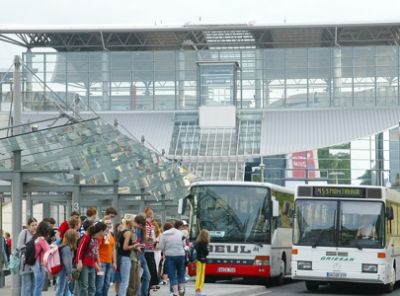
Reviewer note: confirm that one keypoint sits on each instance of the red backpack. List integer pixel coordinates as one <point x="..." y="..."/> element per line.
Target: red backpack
<point x="52" y="260"/>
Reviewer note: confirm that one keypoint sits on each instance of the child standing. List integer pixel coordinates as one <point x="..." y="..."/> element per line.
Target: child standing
<point x="67" y="248"/>
<point x="201" y="247"/>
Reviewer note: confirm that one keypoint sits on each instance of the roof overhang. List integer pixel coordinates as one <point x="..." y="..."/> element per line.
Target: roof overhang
<point x="128" y="37"/>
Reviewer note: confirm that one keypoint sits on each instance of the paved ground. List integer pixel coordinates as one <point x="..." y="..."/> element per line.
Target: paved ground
<point x="240" y="288"/>
<point x="219" y="289"/>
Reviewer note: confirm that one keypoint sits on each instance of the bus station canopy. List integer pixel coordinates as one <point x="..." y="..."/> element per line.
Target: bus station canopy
<point x="94" y="150"/>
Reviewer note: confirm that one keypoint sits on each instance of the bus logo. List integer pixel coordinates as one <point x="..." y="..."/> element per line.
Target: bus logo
<point x="337" y="258"/>
<point x="236" y="249"/>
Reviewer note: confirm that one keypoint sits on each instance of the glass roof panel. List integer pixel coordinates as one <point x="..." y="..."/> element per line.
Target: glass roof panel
<point x="100" y="152"/>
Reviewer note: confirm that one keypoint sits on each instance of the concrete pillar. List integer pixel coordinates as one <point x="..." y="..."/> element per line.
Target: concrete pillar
<point x="16" y="197"/>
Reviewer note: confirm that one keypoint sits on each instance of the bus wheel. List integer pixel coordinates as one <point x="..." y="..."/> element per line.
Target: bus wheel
<point x="390" y="287"/>
<point x="312" y="286"/>
<point x="209" y="280"/>
<point x="280" y="279"/>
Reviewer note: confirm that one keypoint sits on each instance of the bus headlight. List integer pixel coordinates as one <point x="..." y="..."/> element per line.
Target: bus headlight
<point x="304" y="265"/>
<point x="370" y="268"/>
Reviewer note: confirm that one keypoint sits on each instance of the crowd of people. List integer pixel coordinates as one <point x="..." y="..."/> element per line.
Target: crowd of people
<point x="136" y="256"/>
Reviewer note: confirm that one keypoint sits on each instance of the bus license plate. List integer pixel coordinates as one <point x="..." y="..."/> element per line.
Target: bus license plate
<point x="226" y="269"/>
<point x="337" y="275"/>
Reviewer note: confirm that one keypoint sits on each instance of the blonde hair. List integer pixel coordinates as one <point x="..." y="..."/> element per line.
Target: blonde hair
<point x="70" y="239"/>
<point x="127" y="220"/>
<point x="203" y="236"/>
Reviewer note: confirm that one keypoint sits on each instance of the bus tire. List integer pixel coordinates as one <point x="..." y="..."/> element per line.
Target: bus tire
<point x="312" y="286"/>
<point x="209" y="280"/>
<point x="390" y="287"/>
<point x="279" y="279"/>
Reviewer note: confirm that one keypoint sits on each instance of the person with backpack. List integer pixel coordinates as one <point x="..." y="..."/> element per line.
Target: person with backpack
<point x="26" y="271"/>
<point x="201" y="247"/>
<point x="40" y="248"/>
<point x="66" y="249"/>
<point x="87" y="259"/>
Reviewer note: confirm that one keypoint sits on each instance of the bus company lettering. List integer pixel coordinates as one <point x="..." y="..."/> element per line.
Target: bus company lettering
<point x="236" y="249"/>
<point x="337" y="258"/>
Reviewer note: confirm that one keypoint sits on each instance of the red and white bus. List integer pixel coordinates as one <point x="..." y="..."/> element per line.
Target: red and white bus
<point x="249" y="225"/>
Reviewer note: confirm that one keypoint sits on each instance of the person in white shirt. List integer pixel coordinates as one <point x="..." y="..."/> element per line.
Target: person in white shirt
<point x="366" y="230"/>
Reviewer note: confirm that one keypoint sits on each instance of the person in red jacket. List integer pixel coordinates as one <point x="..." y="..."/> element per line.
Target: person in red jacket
<point x="88" y="260"/>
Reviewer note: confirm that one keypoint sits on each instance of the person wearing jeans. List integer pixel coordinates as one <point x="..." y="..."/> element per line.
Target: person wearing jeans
<point x="87" y="259"/>
<point x="66" y="250"/>
<point x="40" y="276"/>
<point x="26" y="271"/>
<point x="172" y="245"/>
<point x="125" y="247"/>
<point x="108" y="260"/>
<point x="145" y="279"/>
<point x="41" y="246"/>
<point x="87" y="280"/>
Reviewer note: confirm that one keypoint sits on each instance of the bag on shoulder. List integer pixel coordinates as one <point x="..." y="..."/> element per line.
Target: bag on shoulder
<point x="192" y="253"/>
<point x="52" y="260"/>
<point x="15" y="262"/>
<point x="30" y="258"/>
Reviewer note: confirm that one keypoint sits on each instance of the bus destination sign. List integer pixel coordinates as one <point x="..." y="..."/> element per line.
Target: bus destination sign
<point x="338" y="192"/>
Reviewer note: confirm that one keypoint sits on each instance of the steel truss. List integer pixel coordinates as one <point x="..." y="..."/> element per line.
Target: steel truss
<point x="205" y="37"/>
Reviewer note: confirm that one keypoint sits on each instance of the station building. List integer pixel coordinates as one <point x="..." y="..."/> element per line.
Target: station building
<point x="290" y="104"/>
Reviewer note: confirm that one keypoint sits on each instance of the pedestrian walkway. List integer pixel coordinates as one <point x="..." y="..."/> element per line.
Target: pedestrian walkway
<point x="210" y="290"/>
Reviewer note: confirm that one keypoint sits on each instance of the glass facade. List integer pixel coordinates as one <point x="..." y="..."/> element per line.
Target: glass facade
<point x="372" y="160"/>
<point x="251" y="79"/>
<point x="174" y="80"/>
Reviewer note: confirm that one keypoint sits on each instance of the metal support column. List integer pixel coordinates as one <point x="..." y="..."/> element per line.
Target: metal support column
<point x="17" y="95"/>
<point x="76" y="198"/>
<point x="68" y="208"/>
<point x="46" y="210"/>
<point x="17" y="185"/>
<point x="29" y="206"/>
<point x="115" y="200"/>
<point x="16" y="197"/>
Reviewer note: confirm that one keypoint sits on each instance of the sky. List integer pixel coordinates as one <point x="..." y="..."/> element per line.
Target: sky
<point x="173" y="13"/>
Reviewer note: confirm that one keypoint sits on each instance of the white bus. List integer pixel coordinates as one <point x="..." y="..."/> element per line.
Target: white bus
<point x="249" y="226"/>
<point x="346" y="234"/>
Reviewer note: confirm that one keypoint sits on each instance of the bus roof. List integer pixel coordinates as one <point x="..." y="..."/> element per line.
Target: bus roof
<point x="239" y="183"/>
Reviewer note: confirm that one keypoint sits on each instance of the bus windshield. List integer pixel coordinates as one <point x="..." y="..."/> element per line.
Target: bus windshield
<point x="232" y="213"/>
<point x="341" y="223"/>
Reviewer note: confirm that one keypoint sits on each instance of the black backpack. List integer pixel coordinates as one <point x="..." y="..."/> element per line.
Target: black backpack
<point x="30" y="252"/>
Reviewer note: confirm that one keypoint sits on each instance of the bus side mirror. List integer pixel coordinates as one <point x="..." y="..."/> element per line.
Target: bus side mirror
<point x="182" y="204"/>
<point x="275" y="208"/>
<point x="389" y="213"/>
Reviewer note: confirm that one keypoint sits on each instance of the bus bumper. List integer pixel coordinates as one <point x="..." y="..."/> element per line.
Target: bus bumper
<point x="233" y="270"/>
<point x="355" y="277"/>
